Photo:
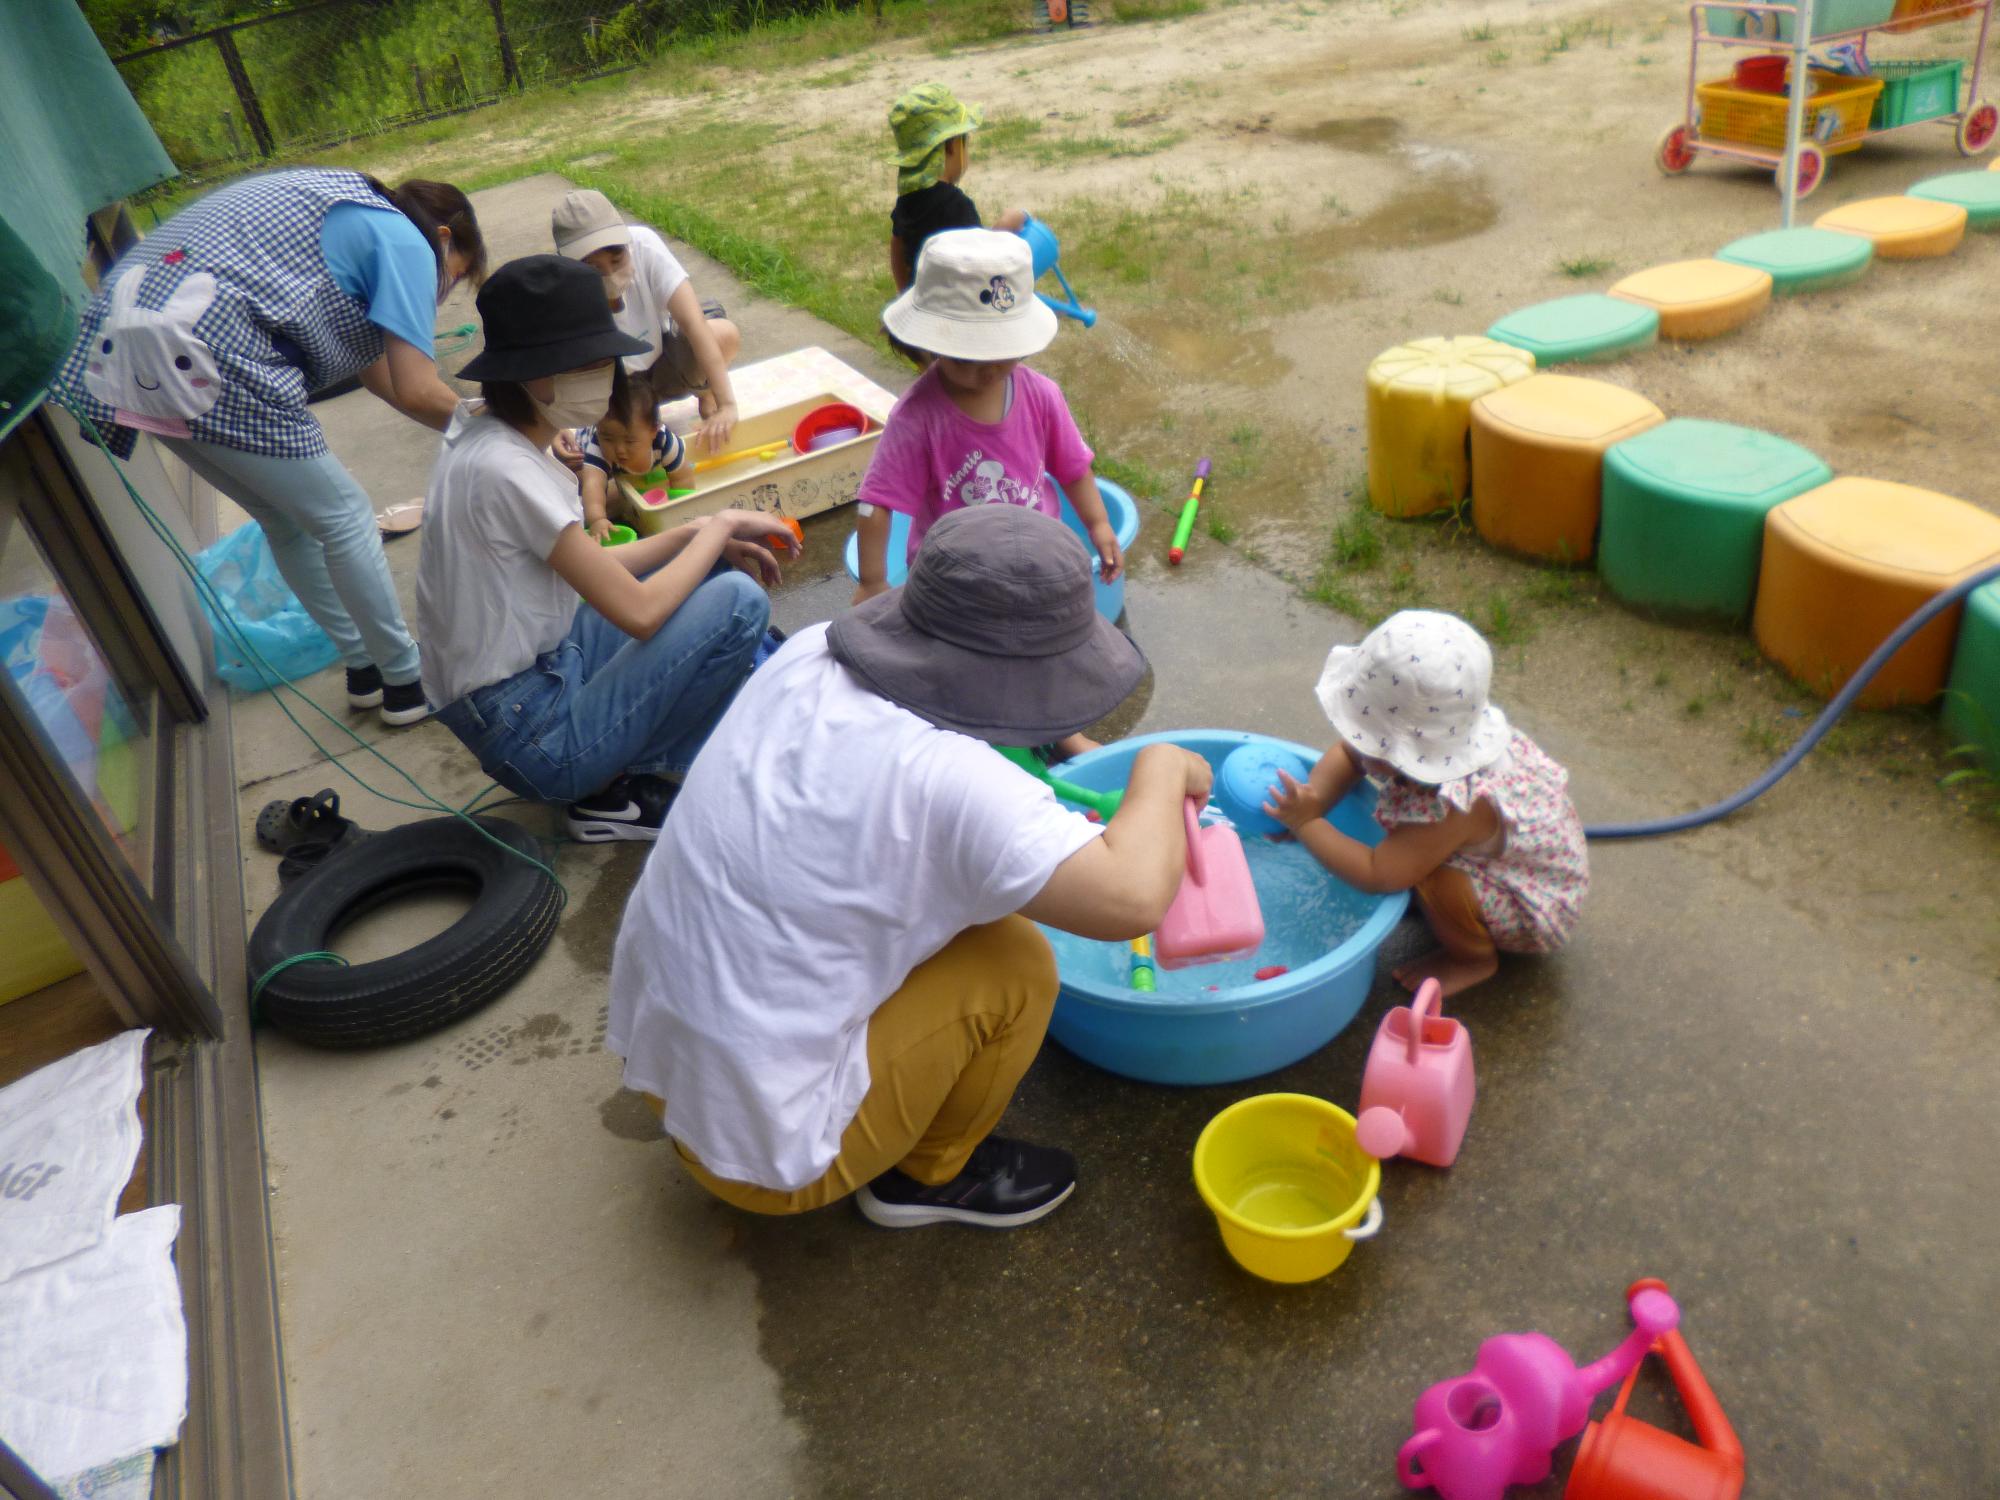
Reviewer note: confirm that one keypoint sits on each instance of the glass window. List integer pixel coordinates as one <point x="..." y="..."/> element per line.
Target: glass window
<point x="102" y="731"/>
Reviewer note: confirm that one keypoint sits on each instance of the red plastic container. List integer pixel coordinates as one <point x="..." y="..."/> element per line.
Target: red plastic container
<point x="1623" y="1458"/>
<point x="825" y="419"/>
<point x="1764" y="74"/>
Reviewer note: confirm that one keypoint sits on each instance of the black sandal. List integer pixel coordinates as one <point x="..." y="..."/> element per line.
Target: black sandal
<point x="283" y="825"/>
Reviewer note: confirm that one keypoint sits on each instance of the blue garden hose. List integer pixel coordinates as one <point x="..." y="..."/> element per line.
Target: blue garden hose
<point x="1842" y="701"/>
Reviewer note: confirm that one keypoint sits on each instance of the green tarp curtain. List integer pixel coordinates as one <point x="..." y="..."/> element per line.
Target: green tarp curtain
<point x="71" y="142"/>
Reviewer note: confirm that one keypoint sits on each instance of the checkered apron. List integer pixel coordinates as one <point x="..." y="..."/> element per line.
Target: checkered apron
<point x="277" y="327"/>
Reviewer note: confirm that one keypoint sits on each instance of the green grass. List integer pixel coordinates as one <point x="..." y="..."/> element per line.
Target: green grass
<point x="1483" y="32"/>
<point x="1562" y="588"/>
<point x="1355" y="543"/>
<point x="1584" y="265"/>
<point x="1134" y="11"/>
<point x="1502" y="623"/>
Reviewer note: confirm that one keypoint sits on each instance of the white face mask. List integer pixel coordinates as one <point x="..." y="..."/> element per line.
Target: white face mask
<point x="580" y="398"/>
<point x="618" y="283"/>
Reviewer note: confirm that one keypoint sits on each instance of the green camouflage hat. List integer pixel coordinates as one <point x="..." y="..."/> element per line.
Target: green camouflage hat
<point x="923" y="121"/>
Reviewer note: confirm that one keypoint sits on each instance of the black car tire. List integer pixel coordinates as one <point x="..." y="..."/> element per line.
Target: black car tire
<point x="513" y="915"/>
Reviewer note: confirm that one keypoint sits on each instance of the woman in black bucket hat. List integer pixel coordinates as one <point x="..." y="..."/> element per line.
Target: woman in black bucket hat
<point x="576" y="673"/>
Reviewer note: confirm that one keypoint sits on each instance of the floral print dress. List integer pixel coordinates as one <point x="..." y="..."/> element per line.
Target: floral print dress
<point x="1531" y="890"/>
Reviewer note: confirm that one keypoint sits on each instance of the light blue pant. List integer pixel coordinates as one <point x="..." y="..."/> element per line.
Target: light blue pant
<point x="604" y="703"/>
<point x="325" y="541"/>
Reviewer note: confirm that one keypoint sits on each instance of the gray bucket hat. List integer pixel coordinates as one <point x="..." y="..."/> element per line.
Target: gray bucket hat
<point x="995" y="633"/>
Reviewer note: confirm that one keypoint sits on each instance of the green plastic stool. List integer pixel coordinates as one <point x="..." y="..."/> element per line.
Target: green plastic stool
<point x="1978" y="193"/>
<point x="1683" y="517"/>
<point x="1803" y="260"/>
<point x="1972" y="696"/>
<point x="1573" y="329"/>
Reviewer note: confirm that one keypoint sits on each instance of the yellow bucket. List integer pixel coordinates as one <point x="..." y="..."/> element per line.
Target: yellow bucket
<point x="1290" y="1187"/>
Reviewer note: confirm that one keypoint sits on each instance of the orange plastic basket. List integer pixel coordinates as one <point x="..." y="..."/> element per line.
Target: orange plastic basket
<point x="1836" y="114"/>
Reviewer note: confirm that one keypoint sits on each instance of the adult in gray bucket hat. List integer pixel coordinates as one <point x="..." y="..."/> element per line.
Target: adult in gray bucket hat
<point x="829" y="973"/>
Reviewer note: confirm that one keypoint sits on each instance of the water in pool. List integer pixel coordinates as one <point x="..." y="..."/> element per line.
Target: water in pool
<point x="1307" y="914"/>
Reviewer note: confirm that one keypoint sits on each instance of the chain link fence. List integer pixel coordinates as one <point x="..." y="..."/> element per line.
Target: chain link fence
<point x="318" y="73"/>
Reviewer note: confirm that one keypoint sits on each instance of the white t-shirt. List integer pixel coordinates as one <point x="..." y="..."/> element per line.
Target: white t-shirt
<point x="825" y="844"/>
<point x="642" y="312"/>
<point x="488" y="603"/>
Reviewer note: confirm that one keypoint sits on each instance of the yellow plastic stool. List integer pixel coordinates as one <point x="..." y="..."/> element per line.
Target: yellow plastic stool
<point x="1420" y="397"/>
<point x="1538" y="460"/>
<point x="1902" y="228"/>
<point x="1847" y="563"/>
<point x="1699" y="299"/>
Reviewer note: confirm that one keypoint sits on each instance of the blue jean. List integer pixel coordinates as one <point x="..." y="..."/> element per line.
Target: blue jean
<point x="604" y="703"/>
<point x="325" y="541"/>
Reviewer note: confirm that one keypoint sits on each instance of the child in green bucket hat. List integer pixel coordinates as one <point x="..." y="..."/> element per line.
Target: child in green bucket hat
<point x="933" y="128"/>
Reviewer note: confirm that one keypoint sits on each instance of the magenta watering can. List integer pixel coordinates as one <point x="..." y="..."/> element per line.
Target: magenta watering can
<point x="1499" y="1424"/>
<point x="1416" y="1096"/>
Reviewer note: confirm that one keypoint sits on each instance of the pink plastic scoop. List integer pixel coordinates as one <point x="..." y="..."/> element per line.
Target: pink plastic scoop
<point x="1215" y="915"/>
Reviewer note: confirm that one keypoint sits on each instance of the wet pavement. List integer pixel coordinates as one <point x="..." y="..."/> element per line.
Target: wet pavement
<point x="1749" y="1075"/>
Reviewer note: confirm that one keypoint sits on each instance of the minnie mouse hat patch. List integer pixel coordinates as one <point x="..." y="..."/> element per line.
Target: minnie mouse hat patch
<point x="973" y="298"/>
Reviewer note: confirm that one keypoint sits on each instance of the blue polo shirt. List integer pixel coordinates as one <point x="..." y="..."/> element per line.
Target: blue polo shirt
<point x="378" y="257"/>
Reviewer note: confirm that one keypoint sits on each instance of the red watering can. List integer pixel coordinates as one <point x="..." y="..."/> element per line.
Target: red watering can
<point x="1623" y="1458"/>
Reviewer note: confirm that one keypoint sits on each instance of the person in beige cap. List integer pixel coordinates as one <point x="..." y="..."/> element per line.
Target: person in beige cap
<point x="689" y="343"/>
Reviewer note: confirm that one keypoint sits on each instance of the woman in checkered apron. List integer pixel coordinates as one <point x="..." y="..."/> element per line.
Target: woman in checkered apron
<point x="214" y="330"/>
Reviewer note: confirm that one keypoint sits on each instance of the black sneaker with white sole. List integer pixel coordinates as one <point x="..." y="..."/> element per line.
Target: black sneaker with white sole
<point x="403" y="703"/>
<point x="1005" y="1184"/>
<point x="632" y="807"/>
<point x="364" y="687"/>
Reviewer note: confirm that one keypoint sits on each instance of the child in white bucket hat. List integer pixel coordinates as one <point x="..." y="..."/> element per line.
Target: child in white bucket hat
<point x="978" y="427"/>
<point x="1480" y="824"/>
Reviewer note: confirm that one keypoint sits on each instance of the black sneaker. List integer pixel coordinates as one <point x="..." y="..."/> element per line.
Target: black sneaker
<point x="632" y="807"/>
<point x="1005" y="1184"/>
<point x="403" y="703"/>
<point x="364" y="687"/>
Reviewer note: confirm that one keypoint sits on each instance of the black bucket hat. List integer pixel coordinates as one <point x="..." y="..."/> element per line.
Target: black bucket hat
<point x="544" y="314"/>
<point x="995" y="634"/>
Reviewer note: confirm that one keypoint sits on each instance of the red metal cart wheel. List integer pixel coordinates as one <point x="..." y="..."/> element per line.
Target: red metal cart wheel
<point x="1673" y="155"/>
<point x="1977" y="129"/>
<point x="1812" y="168"/>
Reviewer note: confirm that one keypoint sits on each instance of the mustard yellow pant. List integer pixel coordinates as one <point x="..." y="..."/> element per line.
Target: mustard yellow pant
<point x="945" y="1053"/>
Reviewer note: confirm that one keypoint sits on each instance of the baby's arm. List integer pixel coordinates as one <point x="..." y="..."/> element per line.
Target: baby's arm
<point x="1402" y="859"/>
<point x="872" y="547"/>
<point x="1088" y="503"/>
<point x="592" y="481"/>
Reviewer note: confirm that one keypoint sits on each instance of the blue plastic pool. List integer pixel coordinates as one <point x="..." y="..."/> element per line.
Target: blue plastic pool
<point x="1324" y="931"/>
<point x="1118" y="505"/>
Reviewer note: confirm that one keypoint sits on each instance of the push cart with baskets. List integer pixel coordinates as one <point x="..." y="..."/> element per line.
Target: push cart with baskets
<point x="1754" y="115"/>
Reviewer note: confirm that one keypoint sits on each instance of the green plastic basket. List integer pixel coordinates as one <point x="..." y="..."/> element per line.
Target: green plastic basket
<point x="1915" y="90"/>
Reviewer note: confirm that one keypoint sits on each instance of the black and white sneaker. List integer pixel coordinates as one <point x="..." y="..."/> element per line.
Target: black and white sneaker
<point x="403" y="703"/>
<point x="364" y="687"/>
<point x="1005" y="1184"/>
<point x="632" y="807"/>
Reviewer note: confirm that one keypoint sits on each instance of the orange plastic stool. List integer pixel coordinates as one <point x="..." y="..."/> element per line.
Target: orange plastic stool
<point x="1420" y="397"/>
<point x="1538" y="461"/>
<point x="1699" y="299"/>
<point x="1902" y="228"/>
<point x="1847" y="563"/>
<point x="1623" y="1458"/>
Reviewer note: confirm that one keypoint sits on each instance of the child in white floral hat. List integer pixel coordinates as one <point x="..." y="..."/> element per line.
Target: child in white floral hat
<point x="1480" y="824"/>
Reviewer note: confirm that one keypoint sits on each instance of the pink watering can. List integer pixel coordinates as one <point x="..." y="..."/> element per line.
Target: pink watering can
<point x="1215" y="915"/>
<point x="1499" y="1424"/>
<point x="1416" y="1096"/>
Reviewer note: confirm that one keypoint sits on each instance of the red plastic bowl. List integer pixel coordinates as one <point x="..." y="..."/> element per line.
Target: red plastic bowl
<point x="829" y="418"/>
<point x="1764" y="74"/>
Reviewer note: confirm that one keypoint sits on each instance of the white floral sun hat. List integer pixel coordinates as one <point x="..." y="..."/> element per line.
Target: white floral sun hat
<point x="1413" y="693"/>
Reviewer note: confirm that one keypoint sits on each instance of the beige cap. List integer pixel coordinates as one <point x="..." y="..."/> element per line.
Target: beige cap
<point x="585" y="221"/>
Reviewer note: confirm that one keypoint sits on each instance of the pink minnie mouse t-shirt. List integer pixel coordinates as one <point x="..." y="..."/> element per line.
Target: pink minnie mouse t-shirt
<point x="933" y="458"/>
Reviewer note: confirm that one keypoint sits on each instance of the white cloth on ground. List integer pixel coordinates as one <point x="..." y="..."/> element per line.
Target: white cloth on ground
<point x="825" y="844"/>
<point x="93" y="1350"/>
<point x="69" y="1134"/>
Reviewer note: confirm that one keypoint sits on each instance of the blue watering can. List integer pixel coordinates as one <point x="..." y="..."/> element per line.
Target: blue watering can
<point x="1046" y="249"/>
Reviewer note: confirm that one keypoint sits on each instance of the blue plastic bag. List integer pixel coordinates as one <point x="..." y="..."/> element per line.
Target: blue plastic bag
<point x="264" y="609"/>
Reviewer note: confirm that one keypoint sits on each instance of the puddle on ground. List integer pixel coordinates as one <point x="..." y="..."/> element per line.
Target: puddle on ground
<point x="627" y="1115"/>
<point x="1433" y="210"/>
<point x="1190" y="351"/>
<point x="1372" y="135"/>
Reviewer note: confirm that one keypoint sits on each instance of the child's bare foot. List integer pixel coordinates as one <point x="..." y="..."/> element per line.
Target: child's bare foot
<point x="1453" y="973"/>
